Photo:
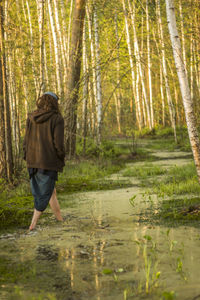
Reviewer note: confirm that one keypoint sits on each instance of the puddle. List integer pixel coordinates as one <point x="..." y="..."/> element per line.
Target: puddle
<point x="102" y="252"/>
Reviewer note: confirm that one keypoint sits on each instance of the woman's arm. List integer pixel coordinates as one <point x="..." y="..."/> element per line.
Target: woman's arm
<point x="59" y="138"/>
<point x="25" y="138"/>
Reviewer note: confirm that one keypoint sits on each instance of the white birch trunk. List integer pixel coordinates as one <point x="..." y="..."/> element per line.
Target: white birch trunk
<point x="94" y="84"/>
<point x="162" y="95"/>
<point x="60" y="38"/>
<point x="128" y="40"/>
<point x="98" y="77"/>
<point x="45" y="68"/>
<point x="117" y="96"/>
<point x="138" y="59"/>
<point x="182" y="36"/>
<point x="149" y="66"/>
<point x="56" y="50"/>
<point x="69" y="31"/>
<point x="191" y="66"/>
<point x="64" y="28"/>
<point x="161" y="80"/>
<point x="184" y="85"/>
<point x="85" y="90"/>
<point x="40" y="7"/>
<point x="32" y="49"/>
<point x="164" y="66"/>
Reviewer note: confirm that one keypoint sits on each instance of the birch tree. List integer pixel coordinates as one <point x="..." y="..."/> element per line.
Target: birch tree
<point x="184" y="84"/>
<point x="56" y="50"/>
<point x="138" y="59"/>
<point x="3" y="168"/>
<point x="165" y="74"/>
<point x="98" y="78"/>
<point x="40" y="5"/>
<point x="149" y="64"/>
<point x="130" y="52"/>
<point x="85" y="90"/>
<point x="7" y="126"/>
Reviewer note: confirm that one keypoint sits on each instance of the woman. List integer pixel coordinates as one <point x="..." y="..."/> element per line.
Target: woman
<point x="44" y="154"/>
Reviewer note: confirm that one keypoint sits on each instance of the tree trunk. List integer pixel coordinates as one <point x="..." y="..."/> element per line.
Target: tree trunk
<point x="73" y="77"/>
<point x="128" y="40"/>
<point x="40" y="5"/>
<point x="184" y="85"/>
<point x="60" y="38"/>
<point x="94" y="83"/>
<point x="164" y="66"/>
<point x="118" y="94"/>
<point x="69" y="31"/>
<point x="85" y="90"/>
<point x="138" y="60"/>
<point x="98" y="78"/>
<point x="3" y="167"/>
<point x="32" y="48"/>
<point x="149" y="65"/>
<point x="7" y="126"/>
<point x="182" y="36"/>
<point x="56" y="50"/>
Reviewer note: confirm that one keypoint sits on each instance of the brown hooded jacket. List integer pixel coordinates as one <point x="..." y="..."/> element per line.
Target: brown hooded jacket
<point x="44" y="140"/>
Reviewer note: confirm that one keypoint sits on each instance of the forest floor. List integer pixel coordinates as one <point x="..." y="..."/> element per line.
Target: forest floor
<point x="136" y="236"/>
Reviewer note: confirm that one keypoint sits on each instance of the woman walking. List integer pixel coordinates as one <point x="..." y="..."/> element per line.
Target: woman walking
<point x="44" y="154"/>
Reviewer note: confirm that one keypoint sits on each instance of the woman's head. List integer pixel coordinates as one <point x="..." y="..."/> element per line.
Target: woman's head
<point x="48" y="101"/>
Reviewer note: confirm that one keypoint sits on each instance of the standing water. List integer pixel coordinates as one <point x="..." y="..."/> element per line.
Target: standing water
<point x="104" y="250"/>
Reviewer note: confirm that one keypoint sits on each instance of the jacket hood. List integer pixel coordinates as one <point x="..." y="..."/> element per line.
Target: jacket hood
<point x="41" y="116"/>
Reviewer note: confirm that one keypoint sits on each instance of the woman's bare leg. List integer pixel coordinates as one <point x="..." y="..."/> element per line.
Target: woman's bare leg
<point x="35" y="218"/>
<point x="55" y="206"/>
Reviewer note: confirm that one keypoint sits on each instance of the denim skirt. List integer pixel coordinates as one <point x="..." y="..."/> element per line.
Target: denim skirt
<point x="42" y="187"/>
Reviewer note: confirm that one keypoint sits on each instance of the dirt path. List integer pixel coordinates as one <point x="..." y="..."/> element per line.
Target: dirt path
<point x="103" y="251"/>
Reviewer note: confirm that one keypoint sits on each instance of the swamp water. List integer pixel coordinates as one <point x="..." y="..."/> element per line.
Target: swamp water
<point x="103" y="250"/>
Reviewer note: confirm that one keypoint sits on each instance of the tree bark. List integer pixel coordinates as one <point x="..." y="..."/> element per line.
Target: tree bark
<point x="138" y="60"/>
<point x="40" y="5"/>
<point x="118" y="94"/>
<point x="56" y="50"/>
<point x="32" y="48"/>
<point x="184" y="84"/>
<point x="7" y="126"/>
<point x="98" y="78"/>
<point x="149" y="65"/>
<point x="164" y="66"/>
<point x="73" y="77"/>
<point x="3" y="167"/>
<point x="128" y="40"/>
<point x="85" y="90"/>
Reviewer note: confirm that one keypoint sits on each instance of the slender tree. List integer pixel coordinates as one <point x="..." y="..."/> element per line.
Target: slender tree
<point x="3" y="169"/>
<point x="184" y="84"/>
<point x="98" y="77"/>
<point x="73" y="78"/>
<point x="7" y="126"/>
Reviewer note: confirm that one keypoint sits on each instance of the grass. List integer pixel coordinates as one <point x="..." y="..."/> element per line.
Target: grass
<point x="179" y="210"/>
<point x="144" y="172"/>
<point x="179" y="181"/>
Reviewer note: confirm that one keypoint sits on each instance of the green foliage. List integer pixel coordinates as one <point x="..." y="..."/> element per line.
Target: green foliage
<point x="107" y="149"/>
<point x="168" y="295"/>
<point x="176" y="209"/>
<point x="86" y="176"/>
<point x="148" y="170"/>
<point x="180" y="180"/>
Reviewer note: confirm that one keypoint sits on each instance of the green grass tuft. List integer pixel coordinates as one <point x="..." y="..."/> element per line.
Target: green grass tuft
<point x="144" y="171"/>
